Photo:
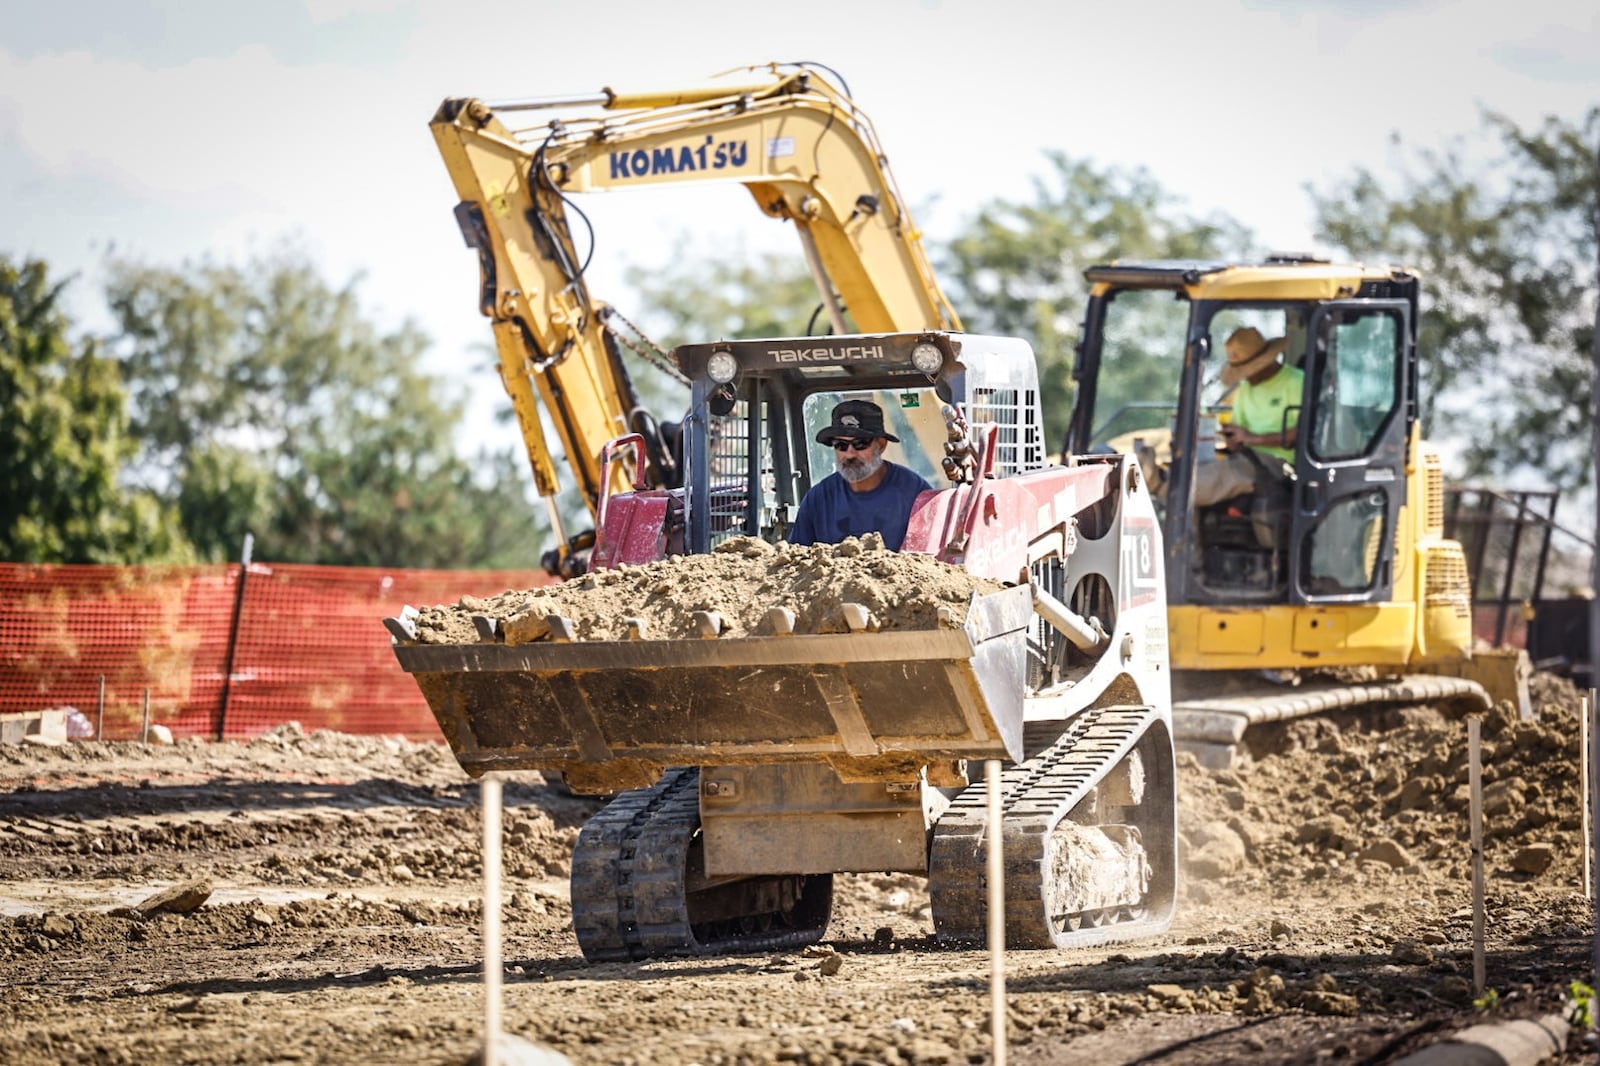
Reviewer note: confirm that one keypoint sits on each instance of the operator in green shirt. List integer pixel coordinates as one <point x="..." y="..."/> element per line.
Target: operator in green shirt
<point x="1266" y="390"/>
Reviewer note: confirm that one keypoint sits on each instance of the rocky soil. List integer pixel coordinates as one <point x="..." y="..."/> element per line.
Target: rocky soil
<point x="1325" y="916"/>
<point x="317" y="898"/>
<point x="740" y="582"/>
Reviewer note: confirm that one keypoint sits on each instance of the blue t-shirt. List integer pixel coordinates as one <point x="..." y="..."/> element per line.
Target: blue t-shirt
<point x="832" y="510"/>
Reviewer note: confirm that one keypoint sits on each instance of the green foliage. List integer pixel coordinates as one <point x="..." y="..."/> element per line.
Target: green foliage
<point x="64" y="440"/>
<point x="1581" y="1015"/>
<point x="1018" y="267"/>
<point x="720" y="297"/>
<point x="1507" y="250"/>
<point x="266" y="402"/>
<point x="1486" y="1002"/>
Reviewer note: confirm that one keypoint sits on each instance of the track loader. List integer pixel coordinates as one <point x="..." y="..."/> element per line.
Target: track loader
<point x="1332" y="573"/>
<point x="749" y="764"/>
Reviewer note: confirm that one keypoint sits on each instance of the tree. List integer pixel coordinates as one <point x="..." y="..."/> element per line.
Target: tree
<point x="718" y="297"/>
<point x="1507" y="252"/>
<point x="1017" y="269"/>
<point x="64" y="439"/>
<point x="266" y="402"/>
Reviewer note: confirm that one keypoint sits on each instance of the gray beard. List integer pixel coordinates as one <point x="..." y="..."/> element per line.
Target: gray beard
<point x="859" y="471"/>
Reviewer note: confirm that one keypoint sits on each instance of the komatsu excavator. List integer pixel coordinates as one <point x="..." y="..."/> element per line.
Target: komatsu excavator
<point x="755" y="767"/>
<point x="796" y="141"/>
<point x="1333" y="563"/>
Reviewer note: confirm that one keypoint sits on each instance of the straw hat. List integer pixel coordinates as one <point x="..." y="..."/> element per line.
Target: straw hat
<point x="1249" y="353"/>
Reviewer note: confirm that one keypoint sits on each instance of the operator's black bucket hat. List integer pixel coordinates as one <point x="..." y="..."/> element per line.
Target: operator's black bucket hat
<point x="856" y="420"/>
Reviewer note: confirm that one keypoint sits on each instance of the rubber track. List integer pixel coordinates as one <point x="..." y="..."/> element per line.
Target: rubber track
<point x="1038" y="794"/>
<point x="629" y="896"/>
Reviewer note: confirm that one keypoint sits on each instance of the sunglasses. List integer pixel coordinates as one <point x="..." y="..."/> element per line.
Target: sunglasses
<point x="852" y="445"/>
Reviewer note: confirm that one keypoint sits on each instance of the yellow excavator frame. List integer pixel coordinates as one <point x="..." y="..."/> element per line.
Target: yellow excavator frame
<point x="1425" y="622"/>
<point x="800" y="146"/>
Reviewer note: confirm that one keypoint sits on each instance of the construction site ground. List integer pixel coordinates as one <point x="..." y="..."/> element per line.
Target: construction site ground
<point x="1325" y="915"/>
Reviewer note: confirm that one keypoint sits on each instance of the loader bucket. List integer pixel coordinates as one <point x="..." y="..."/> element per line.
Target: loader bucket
<point x="611" y="714"/>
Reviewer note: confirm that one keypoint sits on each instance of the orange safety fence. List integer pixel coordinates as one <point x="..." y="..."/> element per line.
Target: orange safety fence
<point x="221" y="651"/>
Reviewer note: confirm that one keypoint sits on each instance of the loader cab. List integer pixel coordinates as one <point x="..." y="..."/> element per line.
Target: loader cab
<point x="1315" y="519"/>
<point x="756" y="406"/>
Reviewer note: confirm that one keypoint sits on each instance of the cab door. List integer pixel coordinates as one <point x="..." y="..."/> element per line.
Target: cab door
<point x="1350" y="455"/>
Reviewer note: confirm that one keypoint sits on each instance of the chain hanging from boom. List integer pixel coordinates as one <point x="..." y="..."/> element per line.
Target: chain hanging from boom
<point x="641" y="344"/>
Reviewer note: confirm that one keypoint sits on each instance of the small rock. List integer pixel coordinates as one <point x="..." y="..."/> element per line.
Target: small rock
<point x="1534" y="859"/>
<point x="56" y="927"/>
<point x="1330" y="1003"/>
<point x="179" y="899"/>
<point x="1389" y="853"/>
<point x="1220" y="852"/>
<point x="1503" y="797"/>
<point x="1411" y="953"/>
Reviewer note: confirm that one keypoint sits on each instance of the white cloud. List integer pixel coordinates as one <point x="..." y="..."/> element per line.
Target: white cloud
<point x="1231" y="108"/>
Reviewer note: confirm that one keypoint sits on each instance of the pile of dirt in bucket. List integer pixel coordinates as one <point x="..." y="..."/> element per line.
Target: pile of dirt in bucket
<point x="740" y="583"/>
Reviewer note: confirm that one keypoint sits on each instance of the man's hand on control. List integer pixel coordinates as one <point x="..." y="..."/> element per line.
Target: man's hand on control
<point x="1233" y="436"/>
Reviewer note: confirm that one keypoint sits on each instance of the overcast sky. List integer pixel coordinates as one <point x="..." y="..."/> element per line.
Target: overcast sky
<point x="172" y="130"/>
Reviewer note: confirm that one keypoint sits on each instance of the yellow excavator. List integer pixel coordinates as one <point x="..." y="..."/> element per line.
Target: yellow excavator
<point x="1332" y="573"/>
<point x="795" y="140"/>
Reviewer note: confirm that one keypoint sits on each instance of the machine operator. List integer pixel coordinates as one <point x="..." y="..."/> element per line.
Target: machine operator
<point x="1266" y="415"/>
<point x="866" y="493"/>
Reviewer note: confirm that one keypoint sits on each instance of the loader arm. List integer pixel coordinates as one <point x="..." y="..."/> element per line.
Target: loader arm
<point x="800" y="146"/>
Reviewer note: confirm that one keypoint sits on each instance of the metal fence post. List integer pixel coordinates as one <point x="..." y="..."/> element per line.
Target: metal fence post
<point x="233" y="636"/>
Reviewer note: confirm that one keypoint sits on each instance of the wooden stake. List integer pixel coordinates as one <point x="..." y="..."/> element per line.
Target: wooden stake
<point x="1475" y="776"/>
<point x="100" y="712"/>
<point x="489" y="793"/>
<point x="1583" y="774"/>
<point x="144" y="734"/>
<point x="1591" y="846"/>
<point x="997" y="917"/>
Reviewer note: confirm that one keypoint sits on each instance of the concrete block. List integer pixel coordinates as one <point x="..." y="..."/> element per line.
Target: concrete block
<point x="39" y="727"/>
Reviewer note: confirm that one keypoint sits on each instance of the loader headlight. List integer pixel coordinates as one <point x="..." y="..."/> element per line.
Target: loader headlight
<point x="722" y="367"/>
<point x="927" y="358"/>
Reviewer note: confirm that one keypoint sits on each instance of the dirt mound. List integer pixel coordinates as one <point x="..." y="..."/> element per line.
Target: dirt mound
<point x="740" y="582"/>
<point x="1372" y="792"/>
<point x="1325" y="916"/>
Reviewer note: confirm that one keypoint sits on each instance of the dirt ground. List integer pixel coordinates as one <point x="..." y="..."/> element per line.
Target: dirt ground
<point x="1325" y="915"/>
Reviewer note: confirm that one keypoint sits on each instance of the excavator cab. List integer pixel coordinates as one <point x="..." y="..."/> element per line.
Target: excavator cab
<point x="1326" y="549"/>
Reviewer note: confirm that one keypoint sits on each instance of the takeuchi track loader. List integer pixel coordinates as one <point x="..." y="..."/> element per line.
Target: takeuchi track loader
<point x="747" y="770"/>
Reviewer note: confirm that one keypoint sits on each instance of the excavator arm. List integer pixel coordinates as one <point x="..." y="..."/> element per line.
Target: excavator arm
<point x="800" y="146"/>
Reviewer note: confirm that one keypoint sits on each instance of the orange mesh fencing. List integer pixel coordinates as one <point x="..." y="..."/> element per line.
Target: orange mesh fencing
<point x="222" y="651"/>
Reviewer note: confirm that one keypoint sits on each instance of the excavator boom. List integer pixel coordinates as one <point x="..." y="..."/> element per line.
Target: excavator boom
<point x="803" y="149"/>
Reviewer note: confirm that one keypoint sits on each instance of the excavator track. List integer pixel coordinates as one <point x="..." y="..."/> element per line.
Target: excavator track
<point x="1038" y="796"/>
<point x="638" y="890"/>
